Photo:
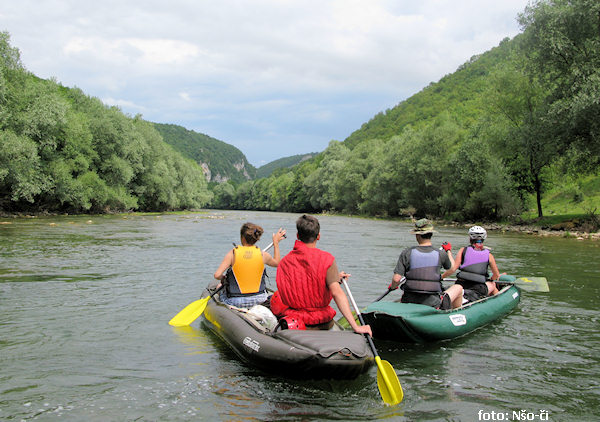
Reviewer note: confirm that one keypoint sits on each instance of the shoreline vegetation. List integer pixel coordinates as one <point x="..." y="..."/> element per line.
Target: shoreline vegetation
<point x="558" y="226"/>
<point x="511" y="138"/>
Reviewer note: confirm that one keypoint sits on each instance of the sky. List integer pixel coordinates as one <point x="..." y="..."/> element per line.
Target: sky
<point x="274" y="78"/>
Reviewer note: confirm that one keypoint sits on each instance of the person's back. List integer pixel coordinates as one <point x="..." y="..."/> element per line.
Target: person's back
<point x="301" y="285"/>
<point x="473" y="262"/>
<point x="423" y="282"/>
<point x="420" y="266"/>
<point x="242" y="270"/>
<point x="307" y="279"/>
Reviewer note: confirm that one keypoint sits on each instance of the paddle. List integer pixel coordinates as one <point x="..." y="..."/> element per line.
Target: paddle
<point x="384" y="295"/>
<point x="530" y="284"/>
<point x="191" y="312"/>
<point x="402" y="281"/>
<point x="387" y="380"/>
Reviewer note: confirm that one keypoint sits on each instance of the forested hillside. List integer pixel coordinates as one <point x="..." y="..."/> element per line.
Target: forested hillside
<point x="63" y="151"/>
<point x="221" y="162"/>
<point x="282" y="163"/>
<point x="510" y="130"/>
<point x="485" y="142"/>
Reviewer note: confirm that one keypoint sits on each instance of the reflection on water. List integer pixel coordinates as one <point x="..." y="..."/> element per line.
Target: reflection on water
<point x="84" y="305"/>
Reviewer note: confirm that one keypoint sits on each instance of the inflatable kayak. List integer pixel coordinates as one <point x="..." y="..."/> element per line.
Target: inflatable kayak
<point x="300" y="354"/>
<point x="413" y="323"/>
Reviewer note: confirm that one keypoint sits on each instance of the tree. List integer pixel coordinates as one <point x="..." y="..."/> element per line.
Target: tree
<point x="562" y="40"/>
<point x="347" y="182"/>
<point x="528" y="146"/>
<point x="21" y="178"/>
<point x="224" y="194"/>
<point x="10" y="57"/>
<point x="480" y="187"/>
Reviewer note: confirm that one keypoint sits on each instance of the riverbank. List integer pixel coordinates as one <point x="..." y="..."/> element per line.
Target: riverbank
<point x="532" y="230"/>
<point x="568" y="226"/>
<point x="559" y="226"/>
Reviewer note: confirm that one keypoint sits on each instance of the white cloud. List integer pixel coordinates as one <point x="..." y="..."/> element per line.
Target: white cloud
<point x="255" y="73"/>
<point x="124" y="104"/>
<point x="137" y="51"/>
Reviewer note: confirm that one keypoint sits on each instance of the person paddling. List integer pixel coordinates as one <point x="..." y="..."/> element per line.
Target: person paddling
<point x="243" y="268"/>
<point x="418" y="269"/>
<point x="473" y="262"/>
<point x="307" y="280"/>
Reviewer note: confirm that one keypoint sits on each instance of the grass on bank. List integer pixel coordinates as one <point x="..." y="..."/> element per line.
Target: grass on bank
<point x="571" y="205"/>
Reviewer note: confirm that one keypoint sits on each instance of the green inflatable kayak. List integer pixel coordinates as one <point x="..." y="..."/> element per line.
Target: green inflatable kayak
<point x="409" y="322"/>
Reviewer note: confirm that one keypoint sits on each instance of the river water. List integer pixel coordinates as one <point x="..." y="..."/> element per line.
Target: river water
<point x="85" y="301"/>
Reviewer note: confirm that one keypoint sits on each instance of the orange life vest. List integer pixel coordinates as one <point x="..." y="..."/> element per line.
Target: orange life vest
<point x="246" y="275"/>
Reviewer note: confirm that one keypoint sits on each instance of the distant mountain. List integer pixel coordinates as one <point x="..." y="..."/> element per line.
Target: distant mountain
<point x="221" y="162"/>
<point x="285" y="162"/>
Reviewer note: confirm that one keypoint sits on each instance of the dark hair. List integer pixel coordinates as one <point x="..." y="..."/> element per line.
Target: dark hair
<point x="251" y="233"/>
<point x="425" y="235"/>
<point x="308" y="228"/>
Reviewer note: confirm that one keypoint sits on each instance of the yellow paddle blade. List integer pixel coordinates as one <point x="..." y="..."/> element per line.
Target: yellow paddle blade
<point x="388" y="383"/>
<point x="190" y="313"/>
<point x="533" y="284"/>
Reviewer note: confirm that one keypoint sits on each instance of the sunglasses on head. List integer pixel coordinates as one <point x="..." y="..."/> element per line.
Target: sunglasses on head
<point x="479" y="241"/>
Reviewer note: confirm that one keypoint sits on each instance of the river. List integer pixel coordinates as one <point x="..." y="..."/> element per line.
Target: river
<point x="85" y="301"/>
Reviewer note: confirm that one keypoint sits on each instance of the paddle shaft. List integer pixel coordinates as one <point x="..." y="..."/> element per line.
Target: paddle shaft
<point x="360" y="318"/>
<point x="381" y="370"/>
<point x="532" y="284"/>
<point x="383" y="295"/>
<point x="402" y="281"/>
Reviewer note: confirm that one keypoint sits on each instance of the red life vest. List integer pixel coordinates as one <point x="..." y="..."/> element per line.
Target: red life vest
<point x="302" y="287"/>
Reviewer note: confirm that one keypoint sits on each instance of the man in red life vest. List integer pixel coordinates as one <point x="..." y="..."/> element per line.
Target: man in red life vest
<point x="307" y="279"/>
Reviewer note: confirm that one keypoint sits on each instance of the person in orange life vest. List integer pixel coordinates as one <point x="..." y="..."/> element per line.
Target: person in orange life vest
<point x="473" y="262"/>
<point x="243" y="268"/>
<point x="307" y="279"/>
<point x="419" y="268"/>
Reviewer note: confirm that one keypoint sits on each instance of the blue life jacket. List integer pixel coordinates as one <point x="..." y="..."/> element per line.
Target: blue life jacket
<point x="423" y="275"/>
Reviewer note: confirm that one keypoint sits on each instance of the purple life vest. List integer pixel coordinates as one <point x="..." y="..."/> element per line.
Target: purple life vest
<point x="474" y="266"/>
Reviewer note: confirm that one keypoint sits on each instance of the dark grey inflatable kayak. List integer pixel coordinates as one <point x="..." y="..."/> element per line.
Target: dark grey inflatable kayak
<point x="300" y="354"/>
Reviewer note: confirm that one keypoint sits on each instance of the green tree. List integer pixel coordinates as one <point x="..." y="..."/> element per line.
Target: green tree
<point x="562" y="40"/>
<point x="423" y="158"/>
<point x="479" y="188"/>
<point x="528" y="145"/>
<point x="224" y="194"/>
<point x="21" y="178"/>
<point x="348" y="181"/>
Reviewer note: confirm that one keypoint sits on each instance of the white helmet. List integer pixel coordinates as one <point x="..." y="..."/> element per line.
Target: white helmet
<point x="477" y="232"/>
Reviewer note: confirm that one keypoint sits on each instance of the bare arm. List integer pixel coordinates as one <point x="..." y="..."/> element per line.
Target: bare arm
<point x="333" y="282"/>
<point x="396" y="281"/>
<point x="451" y="258"/>
<point x="494" y="268"/>
<point x="226" y="263"/>
<point x="273" y="261"/>
<point x="455" y="263"/>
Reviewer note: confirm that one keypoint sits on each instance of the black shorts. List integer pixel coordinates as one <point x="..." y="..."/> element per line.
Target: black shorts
<point x="433" y="300"/>
<point x="473" y="291"/>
